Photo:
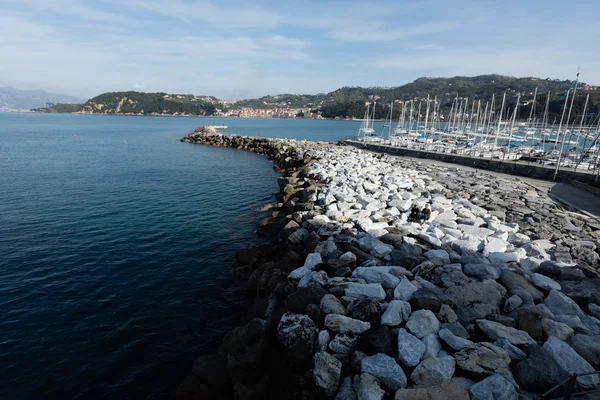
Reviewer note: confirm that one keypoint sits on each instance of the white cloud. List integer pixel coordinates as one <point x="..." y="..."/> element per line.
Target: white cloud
<point x="370" y="33"/>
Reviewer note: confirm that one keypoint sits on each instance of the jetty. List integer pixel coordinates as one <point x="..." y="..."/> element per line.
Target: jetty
<point x="496" y="295"/>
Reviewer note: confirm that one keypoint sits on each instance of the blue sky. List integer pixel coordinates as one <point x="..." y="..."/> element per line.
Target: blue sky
<point x="241" y="49"/>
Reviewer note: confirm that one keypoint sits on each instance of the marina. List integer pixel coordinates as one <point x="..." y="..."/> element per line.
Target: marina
<point x="473" y="129"/>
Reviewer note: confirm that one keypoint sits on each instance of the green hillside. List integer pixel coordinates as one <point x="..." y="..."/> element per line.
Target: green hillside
<point x="137" y="103"/>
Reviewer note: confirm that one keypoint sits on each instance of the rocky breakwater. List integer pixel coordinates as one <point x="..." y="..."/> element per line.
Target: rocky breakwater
<point x="496" y="296"/>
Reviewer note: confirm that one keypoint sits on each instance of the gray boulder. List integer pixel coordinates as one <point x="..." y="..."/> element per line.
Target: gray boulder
<point x="331" y="305"/>
<point x="384" y="368"/>
<point x="544" y="282"/>
<point x="367" y="387"/>
<point x="568" y="358"/>
<point x="342" y="324"/>
<point x="511" y="281"/>
<point x="362" y="291"/>
<point x="512" y="303"/>
<point x="477" y="300"/>
<point x="539" y="372"/>
<point x="422" y="323"/>
<point x="513" y="351"/>
<point x="446" y="314"/>
<point x="296" y="333"/>
<point x="327" y="372"/>
<point x="342" y="343"/>
<point x="404" y="290"/>
<point x="433" y="345"/>
<point x="482" y="272"/>
<point x="483" y="359"/>
<point x="560" y="304"/>
<point x="495" y="387"/>
<point x="588" y="347"/>
<point x="433" y="371"/>
<point x="410" y="349"/>
<point x="496" y="330"/>
<point x="455" y="342"/>
<point x="346" y="390"/>
<point x="323" y="340"/>
<point x="557" y="329"/>
<point x="397" y="312"/>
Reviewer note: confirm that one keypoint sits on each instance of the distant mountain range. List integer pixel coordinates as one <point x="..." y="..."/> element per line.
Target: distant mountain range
<point x="349" y="102"/>
<point x="17" y="99"/>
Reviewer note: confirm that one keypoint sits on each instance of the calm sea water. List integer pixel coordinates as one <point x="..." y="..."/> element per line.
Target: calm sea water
<point x="117" y="243"/>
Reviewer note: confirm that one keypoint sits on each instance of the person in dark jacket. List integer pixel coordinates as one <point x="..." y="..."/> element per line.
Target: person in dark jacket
<point x="425" y="213"/>
<point x="414" y="213"/>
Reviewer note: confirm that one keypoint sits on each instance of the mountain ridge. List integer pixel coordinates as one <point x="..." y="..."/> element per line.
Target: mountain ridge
<point x="25" y="99"/>
<point x="348" y="101"/>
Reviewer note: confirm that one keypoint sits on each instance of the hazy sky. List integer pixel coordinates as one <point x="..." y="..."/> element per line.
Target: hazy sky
<point x="240" y="49"/>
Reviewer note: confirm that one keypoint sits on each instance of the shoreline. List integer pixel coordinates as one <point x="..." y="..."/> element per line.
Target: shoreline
<point x="347" y="283"/>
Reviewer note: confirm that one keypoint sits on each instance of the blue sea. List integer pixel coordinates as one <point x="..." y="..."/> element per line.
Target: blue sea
<point x="117" y="245"/>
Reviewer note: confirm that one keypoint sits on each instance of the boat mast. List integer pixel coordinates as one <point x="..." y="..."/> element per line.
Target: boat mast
<point x="562" y="119"/>
<point x="499" y="121"/>
<point x="532" y="107"/>
<point x="587" y="98"/>
<point x="391" y="116"/>
<point x="426" y="118"/>
<point x="562" y="145"/>
<point x="512" y="126"/>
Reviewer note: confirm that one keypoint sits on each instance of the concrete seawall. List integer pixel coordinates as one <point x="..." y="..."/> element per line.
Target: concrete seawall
<point x="520" y="168"/>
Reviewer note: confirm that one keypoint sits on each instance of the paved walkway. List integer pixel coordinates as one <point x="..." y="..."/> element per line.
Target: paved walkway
<point x="582" y="200"/>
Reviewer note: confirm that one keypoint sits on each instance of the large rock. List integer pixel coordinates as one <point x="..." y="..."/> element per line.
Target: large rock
<point x="327" y="372"/>
<point x="331" y="305"/>
<point x="560" y="304"/>
<point x="553" y="328"/>
<point x="410" y="349"/>
<point x="513" y="351"/>
<point x="378" y="340"/>
<point x="496" y="330"/>
<point x="433" y="371"/>
<point x="445" y="391"/>
<point x="529" y="319"/>
<point x="362" y="291"/>
<point x="495" y="387"/>
<point x="482" y="272"/>
<point x="346" y="390"/>
<point x="483" y="359"/>
<point x="455" y="342"/>
<point x="539" y="372"/>
<point x="367" y="387"/>
<point x="342" y="324"/>
<point x="376" y="275"/>
<point x="544" y="282"/>
<point x="433" y="345"/>
<point x="296" y="334"/>
<point x="343" y="343"/>
<point x="511" y="281"/>
<point x="366" y="309"/>
<point x="311" y="294"/>
<point x="428" y="299"/>
<point x="476" y="300"/>
<point x="568" y="358"/>
<point x="588" y="347"/>
<point x="423" y="322"/>
<point x="404" y="290"/>
<point x="374" y="246"/>
<point x="397" y="312"/>
<point x="384" y="368"/>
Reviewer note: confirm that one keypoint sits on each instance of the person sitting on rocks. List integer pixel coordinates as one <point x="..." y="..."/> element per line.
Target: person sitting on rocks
<point x="414" y="213"/>
<point x="425" y="214"/>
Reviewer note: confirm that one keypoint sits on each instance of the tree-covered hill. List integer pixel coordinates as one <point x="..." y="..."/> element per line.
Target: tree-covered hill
<point x="348" y="102"/>
<point x="138" y="103"/>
